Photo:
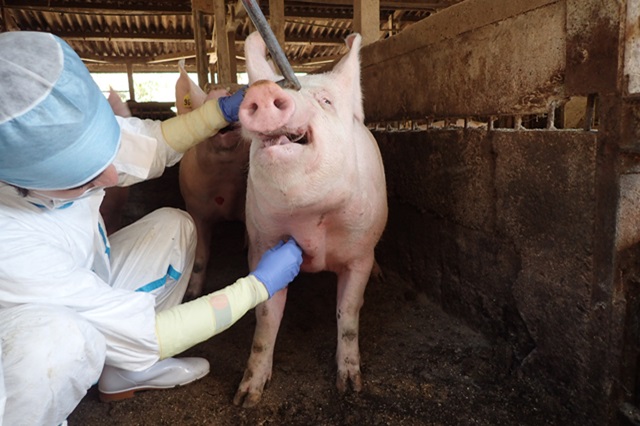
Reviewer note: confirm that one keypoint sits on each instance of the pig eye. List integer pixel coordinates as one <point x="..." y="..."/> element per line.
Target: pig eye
<point x="323" y="99"/>
<point x="326" y="101"/>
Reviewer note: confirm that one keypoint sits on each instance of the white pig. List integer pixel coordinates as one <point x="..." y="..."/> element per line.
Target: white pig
<point x="213" y="178"/>
<point x="315" y="175"/>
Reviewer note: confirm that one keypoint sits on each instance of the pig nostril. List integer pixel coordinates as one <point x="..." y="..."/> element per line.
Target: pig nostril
<point x="280" y="103"/>
<point x="252" y="108"/>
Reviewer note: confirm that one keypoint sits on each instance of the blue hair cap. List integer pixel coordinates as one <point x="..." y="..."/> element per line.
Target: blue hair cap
<point x="57" y="130"/>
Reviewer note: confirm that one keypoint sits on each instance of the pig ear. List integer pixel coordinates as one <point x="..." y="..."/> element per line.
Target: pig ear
<point x="255" y="52"/>
<point x="117" y="105"/>
<point x="347" y="74"/>
<point x="188" y="94"/>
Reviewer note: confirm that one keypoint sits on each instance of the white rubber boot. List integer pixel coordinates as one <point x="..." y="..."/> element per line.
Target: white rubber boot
<point x="116" y="384"/>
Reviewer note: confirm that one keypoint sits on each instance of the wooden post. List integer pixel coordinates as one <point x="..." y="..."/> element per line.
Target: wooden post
<point x="132" y="90"/>
<point x="199" y="33"/>
<point x="366" y="20"/>
<point x="276" y="20"/>
<point x="9" y="20"/>
<point x="225" y="74"/>
<point x="233" y="63"/>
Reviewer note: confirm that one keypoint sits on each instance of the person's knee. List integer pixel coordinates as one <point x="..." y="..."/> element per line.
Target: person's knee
<point x="55" y="339"/>
<point x="172" y="214"/>
<point x="50" y="357"/>
<point x="177" y="222"/>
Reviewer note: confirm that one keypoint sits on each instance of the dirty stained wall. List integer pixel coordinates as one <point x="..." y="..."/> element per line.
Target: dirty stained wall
<point x="498" y="228"/>
<point x="514" y="230"/>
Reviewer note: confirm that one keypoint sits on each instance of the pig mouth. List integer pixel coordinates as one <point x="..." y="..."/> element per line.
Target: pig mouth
<point x="283" y="138"/>
<point x="229" y="128"/>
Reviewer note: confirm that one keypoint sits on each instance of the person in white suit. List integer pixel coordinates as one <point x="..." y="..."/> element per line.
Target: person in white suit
<point x="77" y="307"/>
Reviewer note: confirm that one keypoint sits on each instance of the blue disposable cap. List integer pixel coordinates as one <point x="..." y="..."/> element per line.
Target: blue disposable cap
<point x="57" y="130"/>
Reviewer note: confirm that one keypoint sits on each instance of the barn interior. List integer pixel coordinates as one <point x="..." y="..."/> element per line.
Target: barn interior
<point x="509" y="133"/>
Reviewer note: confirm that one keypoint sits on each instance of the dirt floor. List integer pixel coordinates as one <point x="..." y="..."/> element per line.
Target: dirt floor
<point x="420" y="366"/>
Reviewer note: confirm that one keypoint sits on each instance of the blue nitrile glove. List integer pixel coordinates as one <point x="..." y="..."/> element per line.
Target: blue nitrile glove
<point x="229" y="105"/>
<point x="279" y="266"/>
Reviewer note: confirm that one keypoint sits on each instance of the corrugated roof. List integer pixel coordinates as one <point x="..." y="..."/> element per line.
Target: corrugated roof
<point x="154" y="35"/>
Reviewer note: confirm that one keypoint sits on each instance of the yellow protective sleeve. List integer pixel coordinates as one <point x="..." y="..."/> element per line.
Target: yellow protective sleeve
<point x="188" y="324"/>
<point x="186" y="130"/>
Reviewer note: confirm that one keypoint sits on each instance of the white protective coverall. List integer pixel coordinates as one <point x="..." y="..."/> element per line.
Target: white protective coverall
<point x="72" y="299"/>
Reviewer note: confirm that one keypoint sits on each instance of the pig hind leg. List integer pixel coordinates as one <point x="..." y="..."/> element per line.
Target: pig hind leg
<point x="199" y="273"/>
<point x="351" y="286"/>
<point x="259" y="367"/>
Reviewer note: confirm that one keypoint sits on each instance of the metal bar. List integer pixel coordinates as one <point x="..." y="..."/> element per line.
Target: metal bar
<point x="277" y="54"/>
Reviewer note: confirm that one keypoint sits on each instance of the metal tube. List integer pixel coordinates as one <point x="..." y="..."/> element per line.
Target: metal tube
<point x="277" y="54"/>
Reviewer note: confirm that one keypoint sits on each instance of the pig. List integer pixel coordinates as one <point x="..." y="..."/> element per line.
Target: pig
<point x="315" y="175"/>
<point x="212" y="177"/>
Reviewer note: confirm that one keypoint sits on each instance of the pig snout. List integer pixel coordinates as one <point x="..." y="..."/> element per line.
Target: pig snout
<point x="266" y="108"/>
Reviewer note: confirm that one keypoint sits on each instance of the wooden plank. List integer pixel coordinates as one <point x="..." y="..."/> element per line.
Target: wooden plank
<point x="233" y="61"/>
<point x="413" y="4"/>
<point x="205" y="6"/>
<point x="9" y="20"/>
<point x="202" y="64"/>
<point x="508" y="60"/>
<point x="222" y="43"/>
<point x="165" y="7"/>
<point x="276" y="19"/>
<point x="366" y="20"/>
<point x="132" y="87"/>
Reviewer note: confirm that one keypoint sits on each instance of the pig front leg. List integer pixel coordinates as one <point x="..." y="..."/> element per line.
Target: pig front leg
<point x="259" y="367"/>
<point x="351" y="285"/>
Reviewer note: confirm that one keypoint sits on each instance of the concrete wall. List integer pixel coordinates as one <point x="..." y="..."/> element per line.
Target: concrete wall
<point x="498" y="227"/>
<point x="515" y="230"/>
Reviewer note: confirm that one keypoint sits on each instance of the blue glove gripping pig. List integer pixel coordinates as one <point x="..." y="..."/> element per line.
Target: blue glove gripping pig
<point x="279" y="266"/>
<point x="230" y="105"/>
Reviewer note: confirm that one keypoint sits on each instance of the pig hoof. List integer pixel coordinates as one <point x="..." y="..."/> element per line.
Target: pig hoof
<point x="346" y="380"/>
<point x="194" y="290"/>
<point x="246" y="398"/>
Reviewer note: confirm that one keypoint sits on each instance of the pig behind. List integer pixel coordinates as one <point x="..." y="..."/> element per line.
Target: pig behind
<point x="213" y="178"/>
<point x="315" y="175"/>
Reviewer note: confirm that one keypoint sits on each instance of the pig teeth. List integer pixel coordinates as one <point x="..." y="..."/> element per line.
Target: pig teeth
<point x="296" y="138"/>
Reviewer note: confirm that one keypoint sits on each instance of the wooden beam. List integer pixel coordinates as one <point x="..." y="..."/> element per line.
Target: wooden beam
<point x="222" y="43"/>
<point x="366" y="20"/>
<point x="232" y="25"/>
<point x="414" y="4"/>
<point x="156" y="7"/>
<point x="9" y="20"/>
<point x="132" y="89"/>
<point x="182" y="38"/>
<point x="137" y="37"/>
<point x="276" y="19"/>
<point x="202" y="64"/>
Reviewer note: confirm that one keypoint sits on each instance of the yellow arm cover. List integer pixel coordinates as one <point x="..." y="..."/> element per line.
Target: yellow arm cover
<point x="186" y="130"/>
<point x="186" y="325"/>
